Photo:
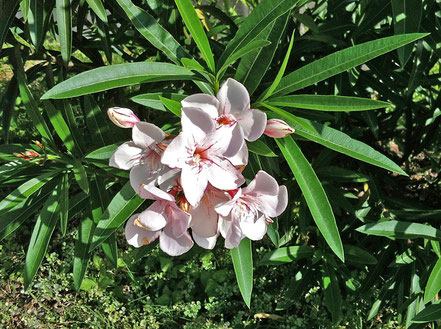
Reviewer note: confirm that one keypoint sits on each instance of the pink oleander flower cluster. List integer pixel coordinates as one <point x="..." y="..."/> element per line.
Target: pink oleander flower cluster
<point x="195" y="178"/>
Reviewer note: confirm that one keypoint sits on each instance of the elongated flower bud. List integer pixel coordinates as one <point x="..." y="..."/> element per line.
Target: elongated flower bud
<point x="276" y="128"/>
<point x="122" y="117"/>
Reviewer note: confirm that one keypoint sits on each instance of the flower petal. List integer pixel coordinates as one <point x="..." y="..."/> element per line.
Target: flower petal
<point x="252" y="122"/>
<point x="196" y="122"/>
<point x="140" y="174"/>
<point x="206" y="102"/>
<point x="263" y="183"/>
<point x="233" y="97"/>
<point x="153" y="218"/>
<point x="193" y="182"/>
<point x="225" y="141"/>
<point x="234" y="235"/>
<point x="175" y="246"/>
<point x="241" y="157"/>
<point x="206" y="243"/>
<point x="145" y="134"/>
<point x="126" y="156"/>
<point x="177" y="151"/>
<point x="138" y="236"/>
<point x="179" y="220"/>
<point x="283" y="201"/>
<point x="254" y="230"/>
<point x="150" y="191"/>
<point x="223" y="175"/>
<point x="204" y="219"/>
<point x="225" y="208"/>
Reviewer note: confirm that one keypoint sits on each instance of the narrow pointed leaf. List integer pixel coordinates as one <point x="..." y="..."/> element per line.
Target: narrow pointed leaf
<point x="260" y="148"/>
<point x="98" y="8"/>
<point x="64" y="22"/>
<point x="194" y="25"/>
<point x="401" y="230"/>
<point x="434" y="283"/>
<point x="97" y="123"/>
<point x="341" y="61"/>
<point x="41" y="235"/>
<point x="332" y="293"/>
<point x="153" y="32"/>
<point x="313" y="192"/>
<point x="286" y="255"/>
<point x="122" y="206"/>
<point x="173" y="106"/>
<point x="81" y="251"/>
<point x="153" y="100"/>
<point x="110" y="249"/>
<point x="243" y="267"/>
<point x="60" y="125"/>
<point x="106" y="45"/>
<point x="430" y="313"/>
<point x="358" y="255"/>
<point x="120" y="75"/>
<point x="8" y="9"/>
<point x="64" y="203"/>
<point x="24" y="8"/>
<point x="262" y="16"/>
<point x="337" y="141"/>
<point x="328" y="103"/>
<point x="103" y="153"/>
<point x="81" y="176"/>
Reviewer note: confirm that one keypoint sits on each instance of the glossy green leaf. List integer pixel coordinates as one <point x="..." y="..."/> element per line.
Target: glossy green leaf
<point x="153" y="100"/>
<point x="433" y="285"/>
<point x="260" y="148"/>
<point x="341" y="61"/>
<point x="281" y="72"/>
<point x="313" y="192"/>
<point x="96" y="122"/>
<point x="106" y="44"/>
<point x="192" y="64"/>
<point x="120" y="75"/>
<point x="25" y="190"/>
<point x="41" y="235"/>
<point x="98" y="8"/>
<point x="430" y="313"/>
<point x="253" y="66"/>
<point x="64" y="22"/>
<point x="8" y="9"/>
<point x="81" y="176"/>
<point x="73" y="127"/>
<point x="262" y="16"/>
<point x="153" y="32"/>
<point x="250" y="47"/>
<point x="24" y="8"/>
<point x="407" y="19"/>
<point x="401" y="230"/>
<point x="242" y="257"/>
<point x="332" y="293"/>
<point x="103" y="153"/>
<point x="286" y="255"/>
<point x="173" y="106"/>
<point x="338" y="141"/>
<point x="36" y="21"/>
<point x="7" y="102"/>
<point x="60" y="125"/>
<point x="64" y="202"/>
<point x="358" y="255"/>
<point x="122" y="206"/>
<point x="110" y="249"/>
<point x="82" y="250"/>
<point x="328" y="103"/>
<point x="194" y="26"/>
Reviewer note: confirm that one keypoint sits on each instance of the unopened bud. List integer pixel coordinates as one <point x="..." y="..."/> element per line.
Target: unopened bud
<point x="122" y="117"/>
<point x="276" y="128"/>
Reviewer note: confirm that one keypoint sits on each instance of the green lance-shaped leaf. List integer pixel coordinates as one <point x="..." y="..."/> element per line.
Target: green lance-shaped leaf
<point x="120" y="75"/>
<point x="98" y="8"/>
<point x="153" y="32"/>
<point x="80" y="175"/>
<point x="328" y="103"/>
<point x="407" y="19"/>
<point x="242" y="257"/>
<point x="61" y="127"/>
<point x="82" y="250"/>
<point x="24" y="7"/>
<point x="25" y="190"/>
<point x="358" y="255"/>
<point x="41" y="235"/>
<point x="122" y="206"/>
<point x="171" y="105"/>
<point x="332" y="292"/>
<point x="281" y="72"/>
<point x="260" y="148"/>
<point x="153" y="100"/>
<point x="434" y="283"/>
<point x="7" y="103"/>
<point x="103" y="153"/>
<point x="28" y="99"/>
<point x="8" y="9"/>
<point x="110" y="248"/>
<point x="64" y="22"/>
<point x="341" y="61"/>
<point x="262" y="16"/>
<point x="251" y="47"/>
<point x="286" y="255"/>
<point x="430" y="313"/>
<point x="401" y="230"/>
<point x="64" y="203"/>
<point x="106" y="45"/>
<point x="313" y="192"/>
<point x="38" y="18"/>
<point x="253" y="66"/>
<point x="194" y="26"/>
<point x="337" y="141"/>
<point x="97" y="123"/>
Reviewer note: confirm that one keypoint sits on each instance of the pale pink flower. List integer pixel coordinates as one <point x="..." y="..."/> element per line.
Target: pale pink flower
<point x="122" y="117"/>
<point x="231" y="106"/>
<point x="276" y="128"/>
<point x="163" y="220"/>
<point x="251" y="209"/>
<point x="202" y="152"/>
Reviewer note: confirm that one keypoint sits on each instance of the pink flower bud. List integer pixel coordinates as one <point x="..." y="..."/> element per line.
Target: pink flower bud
<point x="122" y="117"/>
<point x="276" y="128"/>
